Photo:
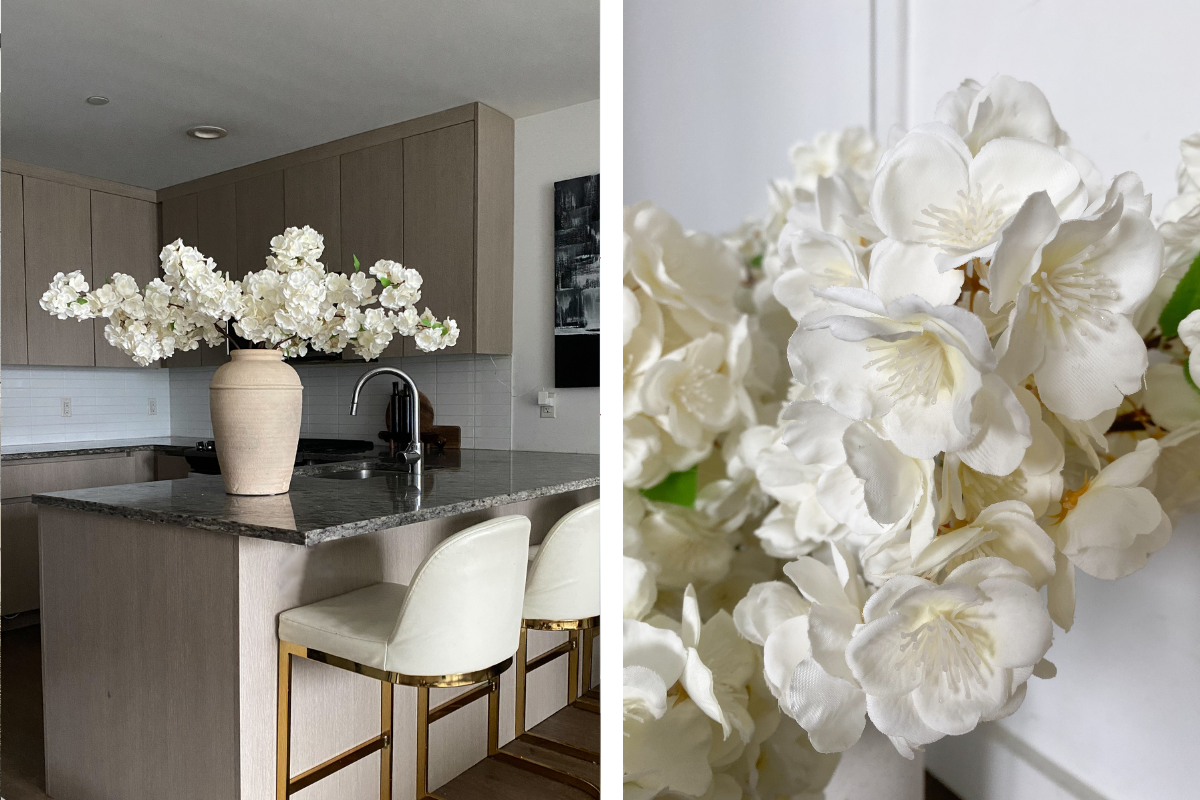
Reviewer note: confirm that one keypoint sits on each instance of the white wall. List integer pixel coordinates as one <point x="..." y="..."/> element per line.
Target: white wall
<point x="717" y="91"/>
<point x="550" y="147"/>
<point x="714" y="94"/>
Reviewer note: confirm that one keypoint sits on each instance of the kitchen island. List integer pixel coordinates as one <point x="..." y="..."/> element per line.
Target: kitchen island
<point x="159" y="607"/>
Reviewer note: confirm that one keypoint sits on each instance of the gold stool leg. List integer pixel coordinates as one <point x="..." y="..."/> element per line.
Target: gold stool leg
<point x="589" y="636"/>
<point x="494" y="717"/>
<point x="385" y="754"/>
<point x="283" y="730"/>
<point x="521" y="664"/>
<point x="573" y="669"/>
<point x="422" y="742"/>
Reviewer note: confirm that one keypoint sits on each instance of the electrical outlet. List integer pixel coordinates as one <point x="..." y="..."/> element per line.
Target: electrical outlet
<point x="152" y="409"/>
<point x="547" y="412"/>
<point x="66" y="406"/>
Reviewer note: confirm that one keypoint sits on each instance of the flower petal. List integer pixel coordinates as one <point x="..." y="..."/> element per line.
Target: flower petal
<point x="832" y="710"/>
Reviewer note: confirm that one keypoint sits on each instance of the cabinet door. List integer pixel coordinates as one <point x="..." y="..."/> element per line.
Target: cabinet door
<point x="179" y="222"/>
<point x="259" y="219"/>
<point x="58" y="238"/>
<point x="216" y="237"/>
<point x="124" y="239"/>
<point x="19" y="580"/>
<point x="372" y="203"/>
<point x="312" y="196"/>
<point x="439" y="225"/>
<point x="12" y="274"/>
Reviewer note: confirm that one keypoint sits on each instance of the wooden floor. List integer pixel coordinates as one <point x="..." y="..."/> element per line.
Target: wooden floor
<point x="492" y="779"/>
<point x="22" y="757"/>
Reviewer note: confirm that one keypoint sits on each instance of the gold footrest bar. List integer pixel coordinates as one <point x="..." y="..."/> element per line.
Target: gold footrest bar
<point x="538" y="768"/>
<point x="562" y="624"/>
<point x="455" y="703"/>
<point x="545" y="658"/>
<point x="560" y="747"/>
<point x="306" y="779"/>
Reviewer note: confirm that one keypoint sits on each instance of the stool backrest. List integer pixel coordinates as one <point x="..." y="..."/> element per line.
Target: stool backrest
<point x="564" y="579"/>
<point x="462" y="612"/>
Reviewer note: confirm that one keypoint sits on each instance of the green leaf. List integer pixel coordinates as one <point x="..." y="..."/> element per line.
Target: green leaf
<point x="1184" y="300"/>
<point x="757" y="261"/>
<point x="384" y="282"/>
<point x="356" y="264"/>
<point x="678" y="488"/>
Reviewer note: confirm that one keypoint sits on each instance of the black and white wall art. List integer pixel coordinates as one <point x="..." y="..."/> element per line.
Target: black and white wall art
<point x="577" y="282"/>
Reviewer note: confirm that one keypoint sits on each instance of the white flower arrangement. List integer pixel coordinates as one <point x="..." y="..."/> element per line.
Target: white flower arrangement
<point x="292" y="305"/>
<point x="867" y="429"/>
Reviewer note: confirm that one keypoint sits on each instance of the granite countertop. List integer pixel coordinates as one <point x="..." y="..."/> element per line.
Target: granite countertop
<point x="321" y="509"/>
<point x="173" y="445"/>
<point x="166" y="444"/>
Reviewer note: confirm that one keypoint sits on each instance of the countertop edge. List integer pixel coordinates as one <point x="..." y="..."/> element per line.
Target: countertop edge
<point x="320" y="535"/>
<point x="87" y="451"/>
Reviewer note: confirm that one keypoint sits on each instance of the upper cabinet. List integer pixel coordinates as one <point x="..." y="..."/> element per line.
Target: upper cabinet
<point x="58" y="222"/>
<point x="433" y="193"/>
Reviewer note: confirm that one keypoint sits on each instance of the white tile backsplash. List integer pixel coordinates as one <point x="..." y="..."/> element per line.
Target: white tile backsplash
<point x="473" y="392"/>
<point x="105" y="404"/>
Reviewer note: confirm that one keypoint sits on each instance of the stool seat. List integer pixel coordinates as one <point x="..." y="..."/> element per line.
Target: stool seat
<point x="357" y="625"/>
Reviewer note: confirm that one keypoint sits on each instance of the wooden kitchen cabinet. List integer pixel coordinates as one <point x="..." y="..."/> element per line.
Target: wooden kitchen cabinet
<point x="124" y="239"/>
<point x="12" y="265"/>
<point x="216" y="237"/>
<point x="259" y="219"/>
<point x="312" y="195"/>
<point x="19" y="568"/>
<point x="58" y="238"/>
<point x="439" y="225"/>
<point x="372" y="210"/>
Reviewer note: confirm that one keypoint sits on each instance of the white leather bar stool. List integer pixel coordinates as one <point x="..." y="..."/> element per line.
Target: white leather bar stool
<point x="562" y="593"/>
<point x="457" y="624"/>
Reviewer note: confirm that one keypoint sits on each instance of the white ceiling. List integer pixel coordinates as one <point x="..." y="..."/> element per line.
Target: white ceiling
<point x="280" y="75"/>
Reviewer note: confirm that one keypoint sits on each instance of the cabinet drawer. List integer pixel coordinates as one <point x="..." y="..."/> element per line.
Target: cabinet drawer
<point x="76" y="472"/>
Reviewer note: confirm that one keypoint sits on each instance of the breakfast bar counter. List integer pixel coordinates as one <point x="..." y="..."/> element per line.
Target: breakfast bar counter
<point x="159" y="609"/>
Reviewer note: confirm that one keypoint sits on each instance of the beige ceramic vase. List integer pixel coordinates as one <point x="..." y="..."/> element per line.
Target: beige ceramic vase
<point x="255" y="401"/>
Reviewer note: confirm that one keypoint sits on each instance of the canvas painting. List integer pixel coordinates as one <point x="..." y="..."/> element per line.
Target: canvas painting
<point x="577" y="282"/>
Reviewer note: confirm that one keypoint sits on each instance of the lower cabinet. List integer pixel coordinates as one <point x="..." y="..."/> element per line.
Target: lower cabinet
<point x="19" y="567"/>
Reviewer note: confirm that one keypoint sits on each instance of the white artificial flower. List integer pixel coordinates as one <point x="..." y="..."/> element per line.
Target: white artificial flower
<point x="669" y="665"/>
<point x="804" y="641"/>
<point x="1168" y="397"/>
<point x="936" y="660"/>
<point x="689" y="395"/>
<point x="1075" y="285"/>
<point x="1189" y="332"/>
<point x="931" y="190"/>
<point x="850" y="152"/>
<point x="683" y="545"/>
<point x="915" y="367"/>
<point x="643" y="344"/>
<point x="685" y="271"/>
<point x="640" y="592"/>
<point x="1007" y="529"/>
<point x="1005" y="108"/>
<point x="64" y="297"/>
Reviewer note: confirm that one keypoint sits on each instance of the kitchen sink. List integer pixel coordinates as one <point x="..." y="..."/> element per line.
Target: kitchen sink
<point x="360" y="470"/>
<point x="361" y="474"/>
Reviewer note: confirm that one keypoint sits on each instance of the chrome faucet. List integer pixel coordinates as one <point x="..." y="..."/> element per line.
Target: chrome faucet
<point x="413" y="455"/>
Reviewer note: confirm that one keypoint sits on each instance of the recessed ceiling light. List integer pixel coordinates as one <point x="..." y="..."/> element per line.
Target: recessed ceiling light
<point x="207" y="132"/>
<point x="97" y="100"/>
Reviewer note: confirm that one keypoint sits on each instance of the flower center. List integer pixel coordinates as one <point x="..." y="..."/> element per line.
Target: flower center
<point x="1064" y="296"/>
<point x="970" y="223"/>
<point x="915" y="367"/>
<point x="1070" y="499"/>
<point x="946" y="650"/>
<point x="981" y="490"/>
<point x="693" y="391"/>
